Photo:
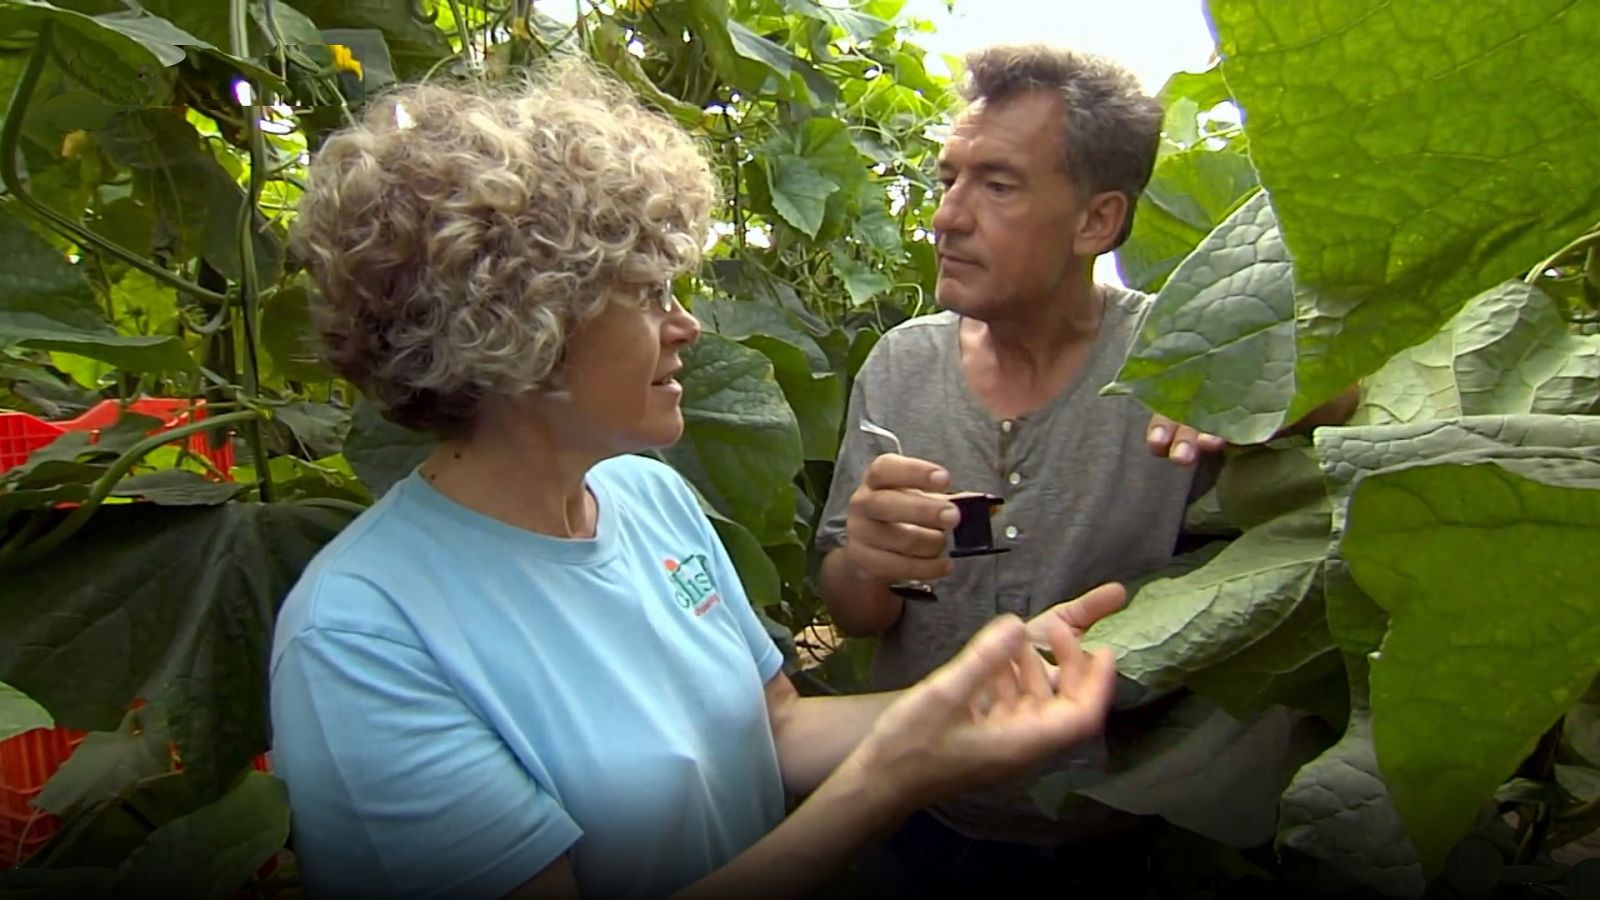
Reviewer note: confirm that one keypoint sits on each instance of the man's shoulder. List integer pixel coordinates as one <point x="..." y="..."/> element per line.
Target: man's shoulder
<point x="1125" y="302"/>
<point x="920" y="341"/>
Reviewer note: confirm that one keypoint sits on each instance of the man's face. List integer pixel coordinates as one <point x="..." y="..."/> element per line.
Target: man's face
<point x="1009" y="219"/>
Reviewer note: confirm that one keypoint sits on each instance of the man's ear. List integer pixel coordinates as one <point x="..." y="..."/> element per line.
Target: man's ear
<point x="1104" y="225"/>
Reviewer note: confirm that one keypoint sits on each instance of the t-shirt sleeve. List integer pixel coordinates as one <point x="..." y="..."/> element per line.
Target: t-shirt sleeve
<point x="397" y="788"/>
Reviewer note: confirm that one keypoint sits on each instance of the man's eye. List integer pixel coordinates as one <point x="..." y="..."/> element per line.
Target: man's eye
<point x="1000" y="187"/>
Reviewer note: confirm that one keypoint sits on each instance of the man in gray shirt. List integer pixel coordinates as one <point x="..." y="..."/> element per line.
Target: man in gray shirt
<point x="1000" y="394"/>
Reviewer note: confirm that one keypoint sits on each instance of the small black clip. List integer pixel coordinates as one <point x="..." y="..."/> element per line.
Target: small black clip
<point x="973" y="537"/>
<point x="914" y="590"/>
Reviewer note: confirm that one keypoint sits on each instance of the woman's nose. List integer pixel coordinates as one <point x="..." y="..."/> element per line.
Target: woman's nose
<point x="681" y="328"/>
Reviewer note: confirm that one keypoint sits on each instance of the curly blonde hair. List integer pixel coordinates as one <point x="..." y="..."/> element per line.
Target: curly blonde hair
<point x="458" y="235"/>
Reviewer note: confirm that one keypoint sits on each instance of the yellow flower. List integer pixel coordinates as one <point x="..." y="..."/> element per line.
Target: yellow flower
<point x="344" y="60"/>
<point x="74" y="144"/>
<point x="638" y="6"/>
<point x="519" y="29"/>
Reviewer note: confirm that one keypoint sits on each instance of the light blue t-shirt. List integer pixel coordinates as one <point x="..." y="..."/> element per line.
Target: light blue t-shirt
<point x="457" y="702"/>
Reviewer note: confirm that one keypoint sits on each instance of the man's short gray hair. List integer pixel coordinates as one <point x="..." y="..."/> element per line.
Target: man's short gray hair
<point x="1113" y="129"/>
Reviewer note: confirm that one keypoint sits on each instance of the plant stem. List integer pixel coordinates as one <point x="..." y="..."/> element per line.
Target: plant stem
<point x="249" y="290"/>
<point x="1587" y="240"/>
<point x="463" y="32"/>
<point x="107" y="482"/>
<point x="10" y="145"/>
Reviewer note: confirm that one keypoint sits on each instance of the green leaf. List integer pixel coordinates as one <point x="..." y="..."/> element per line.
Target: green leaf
<point x="381" y="452"/>
<point x="1448" y="724"/>
<point x="1174" y="627"/>
<point x="1195" y="766"/>
<point x="1417" y="384"/>
<point x="817" y="399"/>
<point x="178" y="487"/>
<point x="210" y="853"/>
<point x="1336" y="819"/>
<point x="173" y="604"/>
<point x="163" y="39"/>
<point x="18" y="713"/>
<point x="414" y="46"/>
<point x="1280" y="669"/>
<point x="1216" y="350"/>
<point x="754" y="47"/>
<point x="123" y="56"/>
<point x="287" y="334"/>
<point x="757" y="574"/>
<point x="1393" y="221"/>
<point x="741" y="445"/>
<point x="1190" y="193"/>
<point x="858" y="25"/>
<point x="863" y="282"/>
<point x="46" y="304"/>
<point x="314" y="430"/>
<point x="740" y="319"/>
<point x="800" y="192"/>
<point x="371" y="50"/>
<point x="1204" y="89"/>
<point x="205" y="22"/>
<point x="1515" y="354"/>
<point x="192" y="193"/>
<point x="1509" y="350"/>
<point x="1259" y="484"/>
<point x="108" y="763"/>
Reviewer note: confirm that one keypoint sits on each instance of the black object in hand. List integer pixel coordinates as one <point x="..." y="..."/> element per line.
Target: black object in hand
<point x="973" y="536"/>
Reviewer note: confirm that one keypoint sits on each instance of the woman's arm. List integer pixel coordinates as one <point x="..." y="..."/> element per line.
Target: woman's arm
<point x="989" y="714"/>
<point x="815" y="734"/>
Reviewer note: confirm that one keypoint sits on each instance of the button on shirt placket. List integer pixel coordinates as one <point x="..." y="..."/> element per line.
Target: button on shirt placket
<point x="1010" y="595"/>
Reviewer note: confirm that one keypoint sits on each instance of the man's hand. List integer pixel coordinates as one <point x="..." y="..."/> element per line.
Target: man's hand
<point x="897" y="525"/>
<point x="1078" y="614"/>
<point x="1180" y="443"/>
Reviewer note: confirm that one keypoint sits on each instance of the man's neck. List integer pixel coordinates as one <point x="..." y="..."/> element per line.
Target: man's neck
<point x="1018" y="364"/>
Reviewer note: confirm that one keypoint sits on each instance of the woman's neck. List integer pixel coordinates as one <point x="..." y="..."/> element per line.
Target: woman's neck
<point x="516" y="473"/>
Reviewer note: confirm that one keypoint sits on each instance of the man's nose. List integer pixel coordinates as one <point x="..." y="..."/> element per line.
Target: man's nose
<point x="952" y="214"/>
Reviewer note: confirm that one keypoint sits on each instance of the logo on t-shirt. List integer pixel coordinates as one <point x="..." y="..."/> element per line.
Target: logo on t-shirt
<point x="693" y="586"/>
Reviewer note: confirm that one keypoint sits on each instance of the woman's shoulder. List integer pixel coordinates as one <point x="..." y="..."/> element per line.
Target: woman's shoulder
<point x="637" y="475"/>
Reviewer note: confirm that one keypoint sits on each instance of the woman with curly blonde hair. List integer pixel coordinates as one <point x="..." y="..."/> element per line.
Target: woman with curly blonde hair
<point x="530" y="669"/>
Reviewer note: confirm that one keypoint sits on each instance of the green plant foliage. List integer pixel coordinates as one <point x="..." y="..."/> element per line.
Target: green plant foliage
<point x="1393" y="218"/>
<point x="177" y="610"/>
<point x="19" y="713"/>
<point x="1446" y="732"/>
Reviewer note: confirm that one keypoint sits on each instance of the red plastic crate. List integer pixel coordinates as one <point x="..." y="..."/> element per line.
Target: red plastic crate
<point x="22" y="433"/>
<point x="28" y="760"/>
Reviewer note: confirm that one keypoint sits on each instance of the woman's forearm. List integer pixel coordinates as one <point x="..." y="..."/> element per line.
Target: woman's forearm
<point x="816" y="734"/>
<point x="848" y="811"/>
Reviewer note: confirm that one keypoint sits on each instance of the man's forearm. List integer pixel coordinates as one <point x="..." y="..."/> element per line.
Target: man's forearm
<point x="858" y="604"/>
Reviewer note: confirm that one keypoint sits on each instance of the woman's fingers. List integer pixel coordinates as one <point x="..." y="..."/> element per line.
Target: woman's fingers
<point x="971" y="674"/>
<point x="1033" y="675"/>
